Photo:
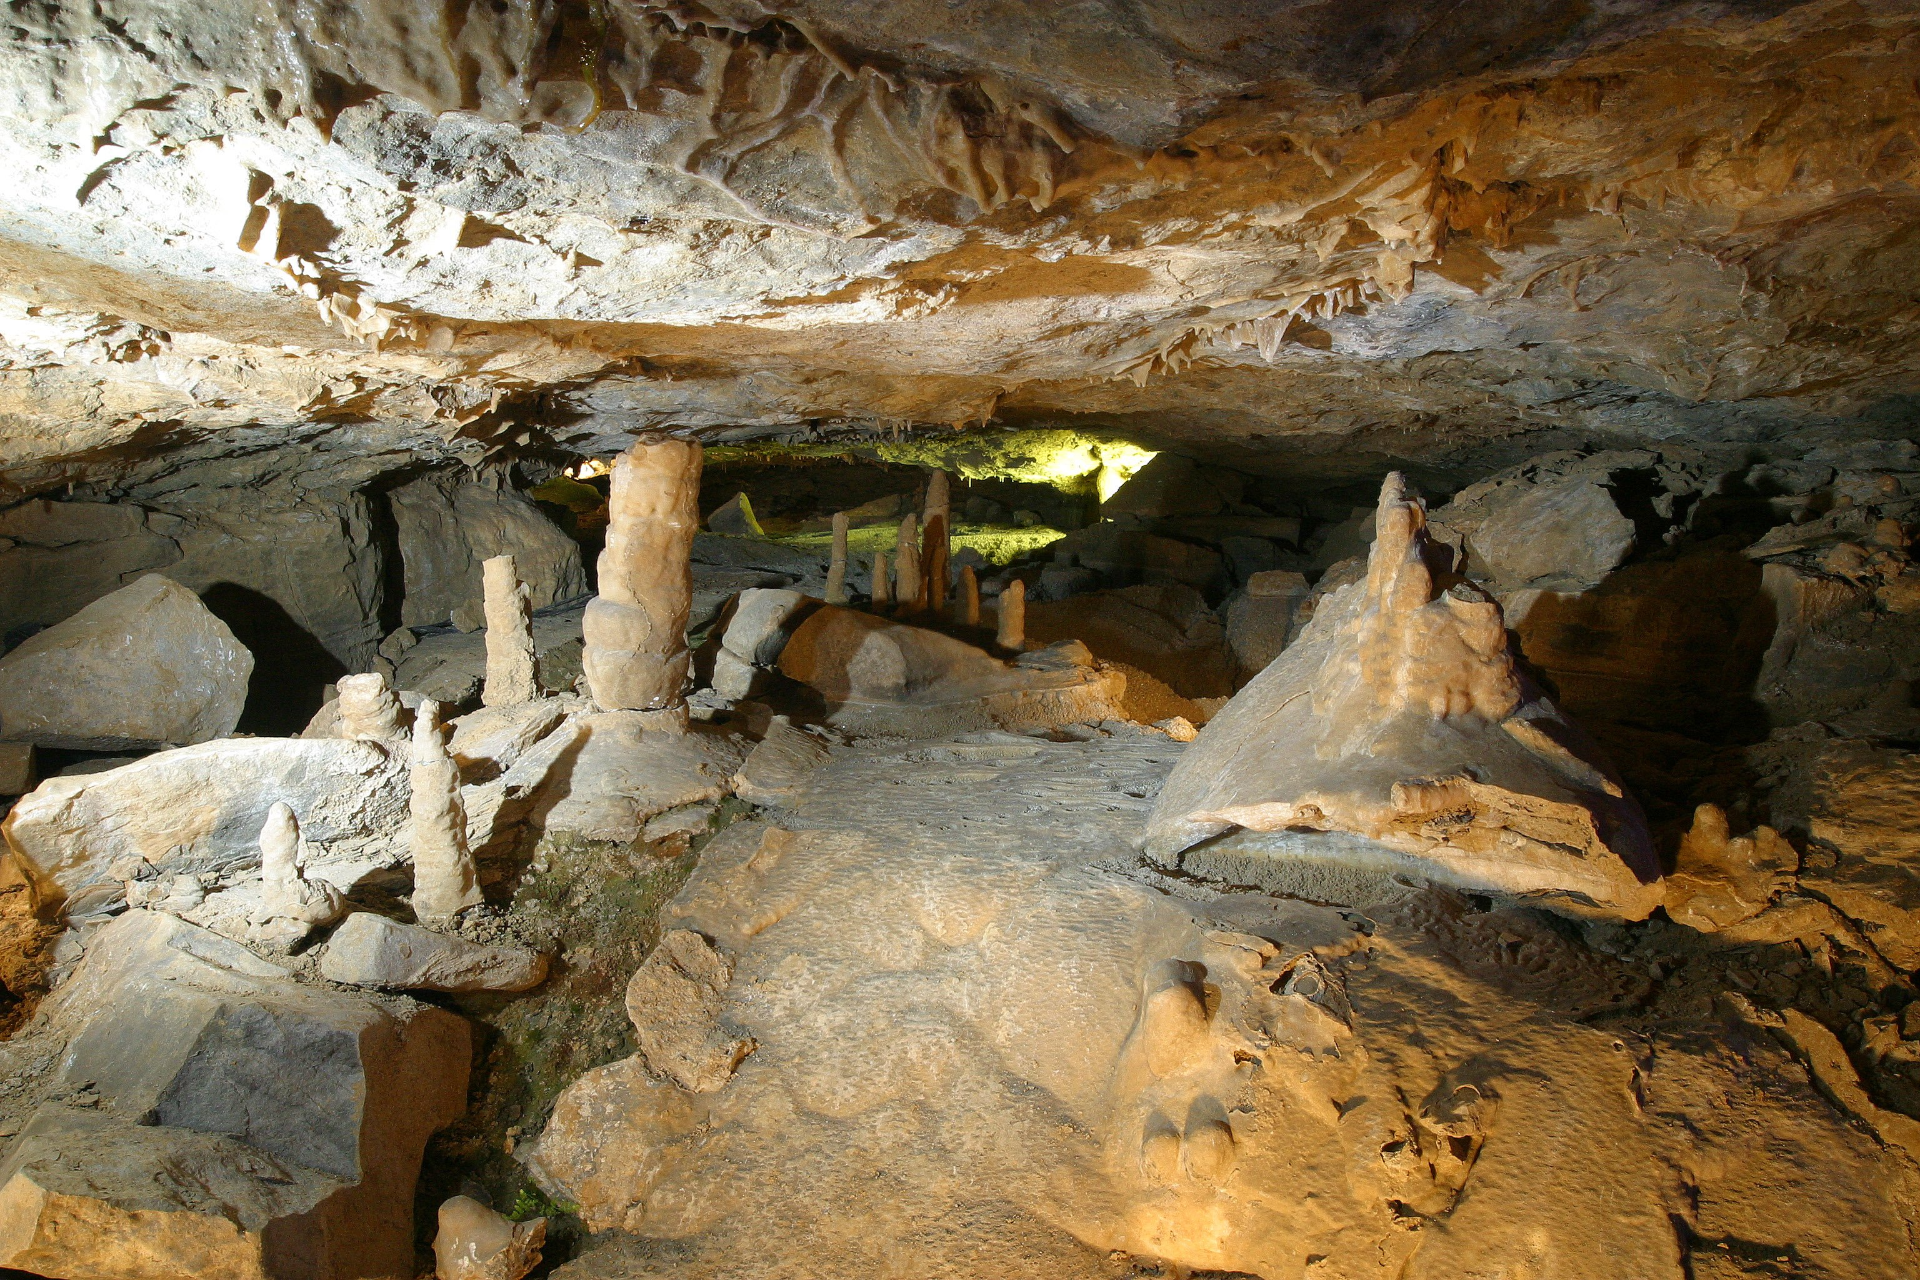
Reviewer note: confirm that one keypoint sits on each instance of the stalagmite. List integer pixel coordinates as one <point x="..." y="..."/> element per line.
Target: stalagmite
<point x="935" y="540"/>
<point x="635" y="629"/>
<point x="909" y="588"/>
<point x="837" y="568"/>
<point x="476" y="1243"/>
<point x="445" y="880"/>
<point x="882" y="592"/>
<point x="1013" y="616"/>
<point x="369" y="711"/>
<point x="509" y="607"/>
<point x="968" y="605"/>
<point x="291" y="906"/>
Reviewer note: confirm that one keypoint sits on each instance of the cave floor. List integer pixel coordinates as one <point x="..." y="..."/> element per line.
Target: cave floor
<point x="990" y="1040"/>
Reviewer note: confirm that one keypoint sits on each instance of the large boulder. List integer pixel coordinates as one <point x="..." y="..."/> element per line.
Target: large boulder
<point x="147" y="666"/>
<point x="1171" y="485"/>
<point x="448" y="528"/>
<point x="1124" y="554"/>
<point x="200" y="809"/>
<point x="1569" y="533"/>
<point x="1396" y="736"/>
<point x="1164" y="629"/>
<point x="211" y="1117"/>
<point x="1261" y="619"/>
<point x="372" y="951"/>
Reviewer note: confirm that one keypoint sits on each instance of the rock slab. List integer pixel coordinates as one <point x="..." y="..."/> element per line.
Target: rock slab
<point x="147" y="666"/>
<point x="372" y="951"/>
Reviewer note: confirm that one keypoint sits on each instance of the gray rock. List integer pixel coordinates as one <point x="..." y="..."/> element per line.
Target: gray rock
<point x="236" y="1123"/>
<point x="372" y="951"/>
<point x="69" y="554"/>
<point x="146" y="666"/>
<point x="1171" y="485"/>
<point x="16" y="768"/>
<point x="1569" y="535"/>
<point x="447" y="529"/>
<point x="1260" y="621"/>
<point x="1123" y="556"/>
<point x="1247" y="556"/>
<point x="735" y="518"/>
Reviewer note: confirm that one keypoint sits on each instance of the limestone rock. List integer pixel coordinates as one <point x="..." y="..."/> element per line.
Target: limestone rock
<point x="609" y="1140"/>
<point x="1166" y="630"/>
<point x="752" y="639"/>
<point x="447" y="530"/>
<point x="1565" y="535"/>
<point x="16" y="768"/>
<point x="242" y="1125"/>
<point x="779" y="763"/>
<point x="1400" y="719"/>
<point x="675" y="1000"/>
<point x="635" y="630"/>
<point x="372" y="951"/>
<point x="475" y="1243"/>
<point x="1863" y="805"/>
<point x="1171" y="485"/>
<point x="734" y="518"/>
<point x="1260" y="621"/>
<point x="487" y="742"/>
<point x="627" y="767"/>
<point x="146" y="666"/>
<point x="202" y="808"/>
<point x="1123" y="556"/>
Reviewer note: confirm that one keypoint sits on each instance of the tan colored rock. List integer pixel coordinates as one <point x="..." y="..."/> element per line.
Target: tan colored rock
<point x="474" y="1242"/>
<point x="610" y="1138"/>
<point x="967" y="606"/>
<point x="881" y="594"/>
<point x="1864" y="800"/>
<point x="445" y="879"/>
<point x="629" y="768"/>
<point x="145" y="666"/>
<point x="837" y="565"/>
<point x="16" y="768"/>
<point x="368" y="710"/>
<point x="635" y="630"/>
<point x="779" y="763"/>
<point x="372" y="951"/>
<point x="1399" y="718"/>
<point x="291" y="906"/>
<point x="509" y="608"/>
<point x="1719" y="879"/>
<point x="675" y="1000"/>
<point x="489" y="741"/>
<point x="203" y="807"/>
<point x="936" y="540"/>
<point x="1011" y="628"/>
<point x="910" y="588"/>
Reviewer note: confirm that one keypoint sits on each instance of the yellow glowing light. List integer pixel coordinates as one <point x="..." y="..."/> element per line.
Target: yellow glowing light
<point x="588" y="468"/>
<point x="1118" y="464"/>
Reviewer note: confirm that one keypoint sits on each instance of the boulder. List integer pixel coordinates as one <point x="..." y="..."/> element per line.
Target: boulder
<point x="1567" y="535"/>
<point x="1124" y="555"/>
<point x="1864" y="799"/>
<point x="1248" y="556"/>
<point x="487" y="742"/>
<point x="16" y="768"/>
<point x="213" y="1118"/>
<point x="201" y="809"/>
<point x="1171" y="485"/>
<point x="475" y="1243"/>
<point x="146" y="666"/>
<point x="1260" y="620"/>
<point x="735" y="518"/>
<point x="370" y="950"/>
<point x="1164" y="629"/>
<point x="625" y="767"/>
<point x="675" y="1000"/>
<point x="1396" y="736"/>
<point x="448" y="528"/>
<point x="779" y="763"/>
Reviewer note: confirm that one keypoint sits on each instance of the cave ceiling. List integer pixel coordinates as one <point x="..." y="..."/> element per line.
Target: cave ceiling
<point x="1292" y="236"/>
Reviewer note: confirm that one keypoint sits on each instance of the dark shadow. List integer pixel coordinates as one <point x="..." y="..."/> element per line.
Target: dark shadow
<point x="385" y="536"/>
<point x="291" y="668"/>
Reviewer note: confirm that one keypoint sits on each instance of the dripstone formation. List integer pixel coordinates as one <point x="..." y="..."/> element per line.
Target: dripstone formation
<point x="989" y="642"/>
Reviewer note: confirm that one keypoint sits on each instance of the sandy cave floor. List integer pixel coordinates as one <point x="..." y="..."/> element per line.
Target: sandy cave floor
<point x="991" y="1041"/>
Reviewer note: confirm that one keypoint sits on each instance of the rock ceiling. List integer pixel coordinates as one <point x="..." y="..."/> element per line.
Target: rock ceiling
<point x="1296" y="234"/>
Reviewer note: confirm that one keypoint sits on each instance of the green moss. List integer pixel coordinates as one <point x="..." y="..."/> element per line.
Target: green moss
<point x="999" y="544"/>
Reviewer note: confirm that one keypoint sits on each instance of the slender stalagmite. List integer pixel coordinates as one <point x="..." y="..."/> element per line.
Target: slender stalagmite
<point x="445" y="880"/>
<point x="635" y="629"/>
<point x="881" y="593"/>
<point x="286" y="894"/>
<point x="935" y="540"/>
<point x="837" y="569"/>
<point x="909" y="590"/>
<point x="969" y="601"/>
<point x="509" y="635"/>
<point x="1013" y="616"/>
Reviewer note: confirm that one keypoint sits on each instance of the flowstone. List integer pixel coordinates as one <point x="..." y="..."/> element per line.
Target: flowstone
<point x="1398" y="736"/>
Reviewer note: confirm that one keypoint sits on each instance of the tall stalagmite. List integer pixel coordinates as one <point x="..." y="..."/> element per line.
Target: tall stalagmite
<point x="968" y="610"/>
<point x="935" y="536"/>
<point x="445" y="880"/>
<point x="509" y="606"/>
<point x="882" y="590"/>
<point x="635" y="629"/>
<point x="910" y="589"/>
<point x="1013" y="616"/>
<point x="837" y="567"/>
